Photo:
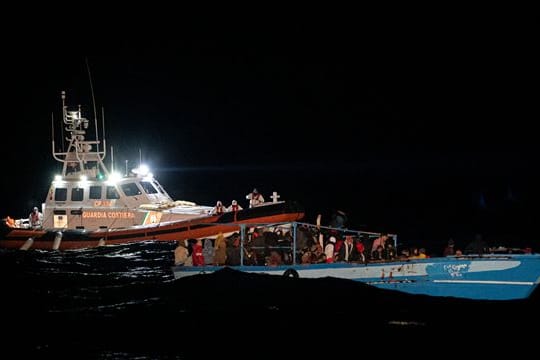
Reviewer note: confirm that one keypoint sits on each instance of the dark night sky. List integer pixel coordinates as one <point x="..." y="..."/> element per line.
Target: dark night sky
<point x="403" y="125"/>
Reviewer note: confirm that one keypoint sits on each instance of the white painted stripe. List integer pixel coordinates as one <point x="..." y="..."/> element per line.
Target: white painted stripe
<point x="494" y="282"/>
<point x="492" y="265"/>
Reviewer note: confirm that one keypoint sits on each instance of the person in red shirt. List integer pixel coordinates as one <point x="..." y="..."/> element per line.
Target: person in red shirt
<point x="197" y="255"/>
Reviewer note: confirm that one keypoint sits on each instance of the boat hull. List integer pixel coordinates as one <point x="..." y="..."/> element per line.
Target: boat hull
<point x="494" y="277"/>
<point x="59" y="239"/>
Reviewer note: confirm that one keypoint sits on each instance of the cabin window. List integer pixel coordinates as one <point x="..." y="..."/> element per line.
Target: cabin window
<point x="160" y="188"/>
<point x="148" y="187"/>
<point x="131" y="189"/>
<point x="77" y="194"/>
<point x="112" y="193"/>
<point x="95" y="192"/>
<point x="60" y="194"/>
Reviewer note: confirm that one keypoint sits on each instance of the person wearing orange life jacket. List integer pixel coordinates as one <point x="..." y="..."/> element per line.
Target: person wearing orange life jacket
<point x="10" y="221"/>
<point x="255" y="199"/>
<point x="35" y="218"/>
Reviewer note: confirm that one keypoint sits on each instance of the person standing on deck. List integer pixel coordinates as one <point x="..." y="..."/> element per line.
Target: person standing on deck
<point x="380" y="241"/>
<point x="220" y="250"/>
<point x="35" y="219"/>
<point x="255" y="199"/>
<point x="234" y="206"/>
<point x="181" y="254"/>
<point x="329" y="249"/>
<point x="449" y="249"/>
<point x="197" y="255"/>
<point x="219" y="209"/>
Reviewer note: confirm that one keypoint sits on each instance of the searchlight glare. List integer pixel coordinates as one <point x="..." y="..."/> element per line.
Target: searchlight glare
<point x="142" y="170"/>
<point x="114" y="177"/>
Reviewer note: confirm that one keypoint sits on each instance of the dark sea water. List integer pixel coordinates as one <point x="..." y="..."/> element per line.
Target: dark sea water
<point x="122" y="302"/>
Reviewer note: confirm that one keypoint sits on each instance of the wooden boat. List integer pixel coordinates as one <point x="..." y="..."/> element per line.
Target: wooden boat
<point x="494" y="276"/>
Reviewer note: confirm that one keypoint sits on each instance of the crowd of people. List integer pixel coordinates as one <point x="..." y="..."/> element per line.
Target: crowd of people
<point x="275" y="246"/>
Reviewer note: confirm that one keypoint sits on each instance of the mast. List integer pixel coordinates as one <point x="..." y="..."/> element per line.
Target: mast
<point x="82" y="156"/>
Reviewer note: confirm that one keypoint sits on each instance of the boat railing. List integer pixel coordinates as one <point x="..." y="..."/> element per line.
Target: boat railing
<point x="317" y="233"/>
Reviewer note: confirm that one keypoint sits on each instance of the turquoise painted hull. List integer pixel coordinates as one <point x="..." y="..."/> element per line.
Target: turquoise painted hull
<point x="488" y="277"/>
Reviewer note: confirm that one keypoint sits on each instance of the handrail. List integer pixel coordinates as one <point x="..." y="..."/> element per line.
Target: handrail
<point x="294" y="226"/>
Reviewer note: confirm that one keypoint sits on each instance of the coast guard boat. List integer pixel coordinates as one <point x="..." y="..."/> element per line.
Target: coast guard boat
<point x="87" y="205"/>
<point x="496" y="276"/>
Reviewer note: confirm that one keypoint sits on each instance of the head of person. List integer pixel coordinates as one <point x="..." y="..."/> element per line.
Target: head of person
<point x="234" y="202"/>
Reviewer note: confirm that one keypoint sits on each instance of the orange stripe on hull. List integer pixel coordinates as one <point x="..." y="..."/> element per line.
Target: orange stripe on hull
<point x="166" y="232"/>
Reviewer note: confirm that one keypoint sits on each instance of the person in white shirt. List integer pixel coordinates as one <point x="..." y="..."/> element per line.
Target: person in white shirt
<point x="234" y="206"/>
<point x="218" y="209"/>
<point x="329" y="249"/>
<point x="35" y="218"/>
<point x="255" y="199"/>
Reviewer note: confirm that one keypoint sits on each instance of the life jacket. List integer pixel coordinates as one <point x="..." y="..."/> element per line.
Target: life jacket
<point x="10" y="222"/>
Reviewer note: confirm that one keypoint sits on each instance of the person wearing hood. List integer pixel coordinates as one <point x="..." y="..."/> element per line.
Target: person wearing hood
<point x="255" y="198"/>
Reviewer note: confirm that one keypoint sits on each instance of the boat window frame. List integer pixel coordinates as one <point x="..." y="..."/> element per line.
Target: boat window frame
<point x="77" y="194"/>
<point x="60" y="194"/>
<point x="151" y="184"/>
<point x="131" y="186"/>
<point x="91" y="194"/>
<point x="111" y="189"/>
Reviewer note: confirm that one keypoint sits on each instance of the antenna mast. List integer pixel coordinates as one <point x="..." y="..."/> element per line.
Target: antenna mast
<point x="93" y="101"/>
<point x="81" y="156"/>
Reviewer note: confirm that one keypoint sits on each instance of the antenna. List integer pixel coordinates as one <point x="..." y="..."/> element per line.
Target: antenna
<point x="63" y="117"/>
<point x="93" y="97"/>
<point x="94" y="106"/>
<point x="112" y="159"/>
<point x="52" y="131"/>
<point x="103" y="127"/>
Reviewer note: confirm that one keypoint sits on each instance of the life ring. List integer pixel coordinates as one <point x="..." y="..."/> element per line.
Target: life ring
<point x="291" y="273"/>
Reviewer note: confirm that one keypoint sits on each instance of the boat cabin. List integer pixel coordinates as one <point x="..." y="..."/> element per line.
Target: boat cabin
<point x="86" y="195"/>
